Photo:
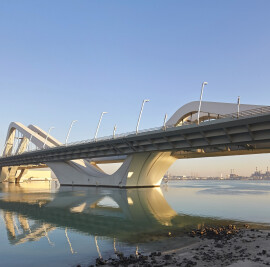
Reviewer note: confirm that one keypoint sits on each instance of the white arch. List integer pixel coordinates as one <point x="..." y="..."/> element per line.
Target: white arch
<point x="43" y="134"/>
<point x="208" y="108"/>
<point x="143" y="169"/>
<point x="38" y="137"/>
<point x="27" y="133"/>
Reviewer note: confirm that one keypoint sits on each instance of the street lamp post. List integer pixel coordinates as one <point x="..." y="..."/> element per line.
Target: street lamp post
<point x="199" y="110"/>
<point x="47" y="136"/>
<point x="28" y="145"/>
<point x="99" y="124"/>
<point x="69" y="131"/>
<point x="144" y="101"/>
<point x="17" y="145"/>
<point x="238" y="106"/>
<point x="114" y="130"/>
<point x="165" y="121"/>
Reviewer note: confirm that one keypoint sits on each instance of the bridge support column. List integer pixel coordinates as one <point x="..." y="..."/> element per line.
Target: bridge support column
<point x="12" y="175"/>
<point x="23" y="172"/>
<point x="147" y="169"/>
<point x="8" y="174"/>
<point x="138" y="170"/>
<point x="4" y="171"/>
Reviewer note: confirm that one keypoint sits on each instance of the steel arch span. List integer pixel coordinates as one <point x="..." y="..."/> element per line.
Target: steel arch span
<point x="137" y="170"/>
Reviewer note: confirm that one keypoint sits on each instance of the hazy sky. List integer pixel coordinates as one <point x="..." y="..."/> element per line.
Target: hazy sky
<point x="65" y="60"/>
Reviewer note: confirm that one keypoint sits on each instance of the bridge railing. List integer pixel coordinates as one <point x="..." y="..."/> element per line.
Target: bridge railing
<point x="232" y="116"/>
<point x="247" y="113"/>
<point x="235" y="115"/>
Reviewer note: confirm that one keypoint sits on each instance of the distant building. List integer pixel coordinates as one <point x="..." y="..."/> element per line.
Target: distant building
<point x="258" y="175"/>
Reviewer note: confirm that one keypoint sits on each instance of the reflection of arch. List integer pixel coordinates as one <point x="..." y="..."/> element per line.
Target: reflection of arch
<point x="148" y="211"/>
<point x="209" y="110"/>
<point x="8" y="219"/>
<point x="140" y="212"/>
<point x="24" y="232"/>
<point x="141" y="169"/>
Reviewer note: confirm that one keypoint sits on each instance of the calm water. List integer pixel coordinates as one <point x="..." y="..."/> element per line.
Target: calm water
<point x="66" y="226"/>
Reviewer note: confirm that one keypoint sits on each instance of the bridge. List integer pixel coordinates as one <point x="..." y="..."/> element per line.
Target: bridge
<point x="147" y="155"/>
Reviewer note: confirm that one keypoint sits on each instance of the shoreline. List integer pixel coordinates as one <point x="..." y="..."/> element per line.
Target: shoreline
<point x="243" y="248"/>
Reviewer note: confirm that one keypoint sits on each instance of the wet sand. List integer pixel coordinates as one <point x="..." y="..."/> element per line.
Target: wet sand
<point x="244" y="248"/>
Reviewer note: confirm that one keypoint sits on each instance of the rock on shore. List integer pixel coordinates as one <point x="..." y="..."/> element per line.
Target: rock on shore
<point x="222" y="246"/>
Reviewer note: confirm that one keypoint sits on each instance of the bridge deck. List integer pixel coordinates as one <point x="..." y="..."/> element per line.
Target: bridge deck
<point x="248" y="133"/>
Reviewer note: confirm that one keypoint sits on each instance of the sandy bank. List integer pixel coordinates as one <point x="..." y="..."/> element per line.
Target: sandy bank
<point x="246" y="247"/>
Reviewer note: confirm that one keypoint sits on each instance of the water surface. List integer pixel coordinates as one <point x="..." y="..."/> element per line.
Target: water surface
<point x="42" y="224"/>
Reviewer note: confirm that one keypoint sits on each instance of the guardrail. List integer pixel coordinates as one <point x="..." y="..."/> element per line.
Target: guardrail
<point x="233" y="116"/>
<point x="248" y="113"/>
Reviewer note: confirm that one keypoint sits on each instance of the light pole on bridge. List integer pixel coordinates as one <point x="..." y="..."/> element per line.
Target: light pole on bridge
<point x="114" y="130"/>
<point x="28" y="145"/>
<point x="199" y="110"/>
<point x="238" y="106"/>
<point x="99" y="124"/>
<point x="69" y="131"/>
<point x="165" y="121"/>
<point x="144" y="101"/>
<point x="47" y="136"/>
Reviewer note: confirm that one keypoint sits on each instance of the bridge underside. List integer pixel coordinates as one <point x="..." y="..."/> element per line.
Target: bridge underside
<point x="137" y="170"/>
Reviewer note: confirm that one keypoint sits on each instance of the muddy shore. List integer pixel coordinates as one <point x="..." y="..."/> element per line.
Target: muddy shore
<point x="210" y="247"/>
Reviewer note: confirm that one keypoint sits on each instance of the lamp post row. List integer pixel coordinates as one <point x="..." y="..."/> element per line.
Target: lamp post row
<point x="98" y="126"/>
<point x="139" y="119"/>
<point x="138" y="123"/>
<point x="114" y="129"/>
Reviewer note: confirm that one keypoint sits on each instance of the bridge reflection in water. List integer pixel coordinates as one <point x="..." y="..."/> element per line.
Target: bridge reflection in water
<point x="130" y="215"/>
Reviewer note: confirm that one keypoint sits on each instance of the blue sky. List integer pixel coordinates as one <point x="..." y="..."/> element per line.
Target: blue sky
<point x="65" y="60"/>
